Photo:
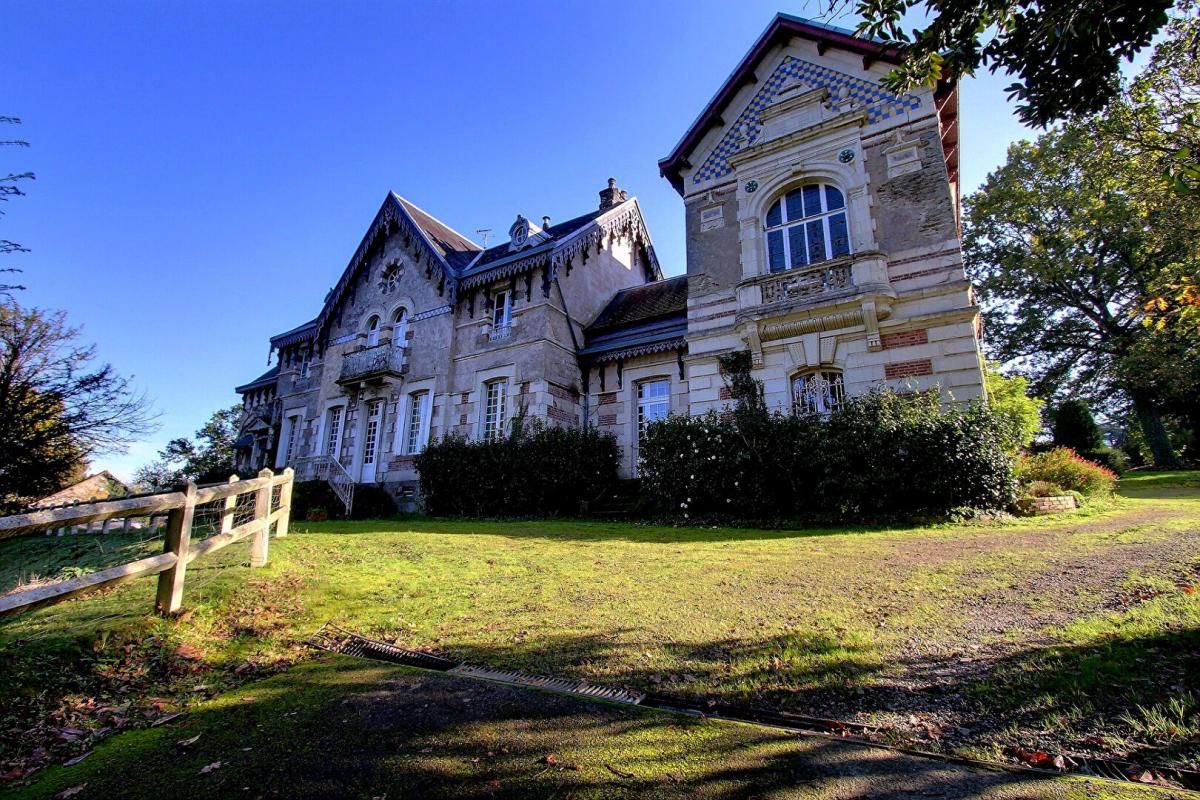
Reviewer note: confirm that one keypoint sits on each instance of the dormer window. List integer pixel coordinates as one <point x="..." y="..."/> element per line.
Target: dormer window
<point x="807" y="226"/>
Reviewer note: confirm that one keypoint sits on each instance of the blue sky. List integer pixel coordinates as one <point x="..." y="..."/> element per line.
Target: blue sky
<point x="206" y="170"/>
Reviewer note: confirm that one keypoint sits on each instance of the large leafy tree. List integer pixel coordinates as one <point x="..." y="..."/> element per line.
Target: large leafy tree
<point x="1066" y="241"/>
<point x="1063" y="54"/>
<point x="207" y="458"/>
<point x="58" y="407"/>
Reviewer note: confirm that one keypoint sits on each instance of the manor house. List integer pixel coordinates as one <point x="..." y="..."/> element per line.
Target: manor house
<point x="822" y="230"/>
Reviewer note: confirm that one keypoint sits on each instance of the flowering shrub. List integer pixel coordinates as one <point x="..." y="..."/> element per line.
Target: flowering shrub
<point x="1064" y="467"/>
<point x="536" y="470"/>
<point x="881" y="453"/>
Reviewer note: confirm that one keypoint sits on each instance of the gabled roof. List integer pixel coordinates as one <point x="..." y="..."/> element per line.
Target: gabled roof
<point x="268" y="378"/>
<point x="442" y="250"/>
<point x="457" y="249"/>
<point x="643" y="319"/>
<point x="782" y="28"/>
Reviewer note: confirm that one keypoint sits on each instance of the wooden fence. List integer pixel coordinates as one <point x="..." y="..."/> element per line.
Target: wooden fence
<point x="178" y="548"/>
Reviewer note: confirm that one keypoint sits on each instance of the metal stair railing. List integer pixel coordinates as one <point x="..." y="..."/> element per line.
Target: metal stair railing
<point x="331" y="471"/>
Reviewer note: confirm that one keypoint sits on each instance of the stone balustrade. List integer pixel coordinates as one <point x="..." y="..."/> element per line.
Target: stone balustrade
<point x="807" y="283"/>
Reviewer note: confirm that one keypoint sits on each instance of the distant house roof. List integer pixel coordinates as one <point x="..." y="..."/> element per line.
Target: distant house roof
<point x="268" y="378"/>
<point x="101" y="486"/>
<point x="643" y="319"/>
<point x="782" y="28"/>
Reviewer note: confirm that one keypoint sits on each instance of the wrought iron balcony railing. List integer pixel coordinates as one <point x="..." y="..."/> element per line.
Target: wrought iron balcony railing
<point x="377" y="361"/>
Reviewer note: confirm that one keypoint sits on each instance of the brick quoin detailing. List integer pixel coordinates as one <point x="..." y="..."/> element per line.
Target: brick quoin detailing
<point x="608" y="419"/>
<point x="904" y="339"/>
<point x="908" y="369"/>
<point x="724" y="394"/>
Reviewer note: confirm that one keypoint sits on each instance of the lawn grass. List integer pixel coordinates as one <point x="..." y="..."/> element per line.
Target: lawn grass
<point x="983" y="619"/>
<point x="344" y="728"/>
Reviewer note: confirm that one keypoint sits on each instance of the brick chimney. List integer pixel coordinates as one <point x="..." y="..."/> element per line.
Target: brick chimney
<point x="612" y="195"/>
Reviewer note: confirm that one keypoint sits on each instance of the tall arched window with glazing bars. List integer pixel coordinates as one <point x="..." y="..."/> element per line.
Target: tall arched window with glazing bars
<point x="807" y="226"/>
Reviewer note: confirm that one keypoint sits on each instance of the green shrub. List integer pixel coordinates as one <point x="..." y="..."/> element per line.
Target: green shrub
<point x="1109" y="457"/>
<point x="879" y="454"/>
<point x="1066" y="468"/>
<point x="537" y="470"/>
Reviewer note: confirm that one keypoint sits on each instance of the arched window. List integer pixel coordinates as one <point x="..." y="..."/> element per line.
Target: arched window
<point x="807" y="226"/>
<point x="372" y="331"/>
<point x="400" y="328"/>
<point x="820" y="392"/>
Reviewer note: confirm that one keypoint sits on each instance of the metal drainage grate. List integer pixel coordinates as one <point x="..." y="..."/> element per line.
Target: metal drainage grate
<point x="339" y="640"/>
<point x="333" y="639"/>
<point x="580" y="688"/>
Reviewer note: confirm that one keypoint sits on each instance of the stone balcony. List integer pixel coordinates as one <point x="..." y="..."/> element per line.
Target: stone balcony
<point x="372" y="364"/>
<point x="841" y="293"/>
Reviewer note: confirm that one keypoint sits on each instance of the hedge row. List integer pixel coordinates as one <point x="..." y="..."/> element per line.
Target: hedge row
<point x="880" y="454"/>
<point x="534" y="471"/>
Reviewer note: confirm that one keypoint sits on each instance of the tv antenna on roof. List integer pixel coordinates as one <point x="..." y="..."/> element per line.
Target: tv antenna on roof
<point x="484" y="233"/>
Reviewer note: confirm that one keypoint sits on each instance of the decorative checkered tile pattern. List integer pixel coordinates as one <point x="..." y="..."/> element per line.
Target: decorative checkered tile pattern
<point x="845" y="92"/>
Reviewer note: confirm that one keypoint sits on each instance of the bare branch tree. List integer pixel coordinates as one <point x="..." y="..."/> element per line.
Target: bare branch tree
<point x="58" y="407"/>
<point x="9" y="188"/>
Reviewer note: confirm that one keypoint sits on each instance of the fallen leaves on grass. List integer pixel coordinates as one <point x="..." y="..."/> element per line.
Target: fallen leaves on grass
<point x="71" y="792"/>
<point x="214" y="766"/>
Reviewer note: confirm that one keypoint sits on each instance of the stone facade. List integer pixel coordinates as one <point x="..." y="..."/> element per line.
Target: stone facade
<point x="822" y="231"/>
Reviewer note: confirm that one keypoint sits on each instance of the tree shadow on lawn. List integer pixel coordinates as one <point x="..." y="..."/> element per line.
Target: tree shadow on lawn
<point x="588" y="530"/>
<point x="1076" y="697"/>
<point x="357" y="729"/>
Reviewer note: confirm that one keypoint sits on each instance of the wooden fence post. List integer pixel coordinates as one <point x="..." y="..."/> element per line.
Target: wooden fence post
<point x="262" y="521"/>
<point x="230" y="508"/>
<point x="285" y="503"/>
<point x="179" y="536"/>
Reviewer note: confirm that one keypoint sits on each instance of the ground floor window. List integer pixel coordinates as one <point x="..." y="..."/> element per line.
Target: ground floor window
<point x="494" y="410"/>
<point x="333" y="431"/>
<point x="292" y="433"/>
<point x="653" y="402"/>
<point x="820" y="392"/>
<point x="418" y="413"/>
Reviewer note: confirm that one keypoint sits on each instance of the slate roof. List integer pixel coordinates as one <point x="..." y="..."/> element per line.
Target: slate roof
<point x="643" y="319"/>
<point x="297" y="334"/>
<point x="268" y="378"/>
<point x="451" y="245"/>
<point x="500" y="254"/>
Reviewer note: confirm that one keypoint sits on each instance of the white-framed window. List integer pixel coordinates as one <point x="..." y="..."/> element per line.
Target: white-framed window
<point x="502" y="309"/>
<point x="373" y="331"/>
<point x="416" y="432"/>
<point x="820" y="392"/>
<point x="293" y="433"/>
<point x="333" y="431"/>
<point x="400" y="328"/>
<point x="807" y="226"/>
<point x="495" y="400"/>
<point x="305" y="363"/>
<point x="653" y="402"/>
